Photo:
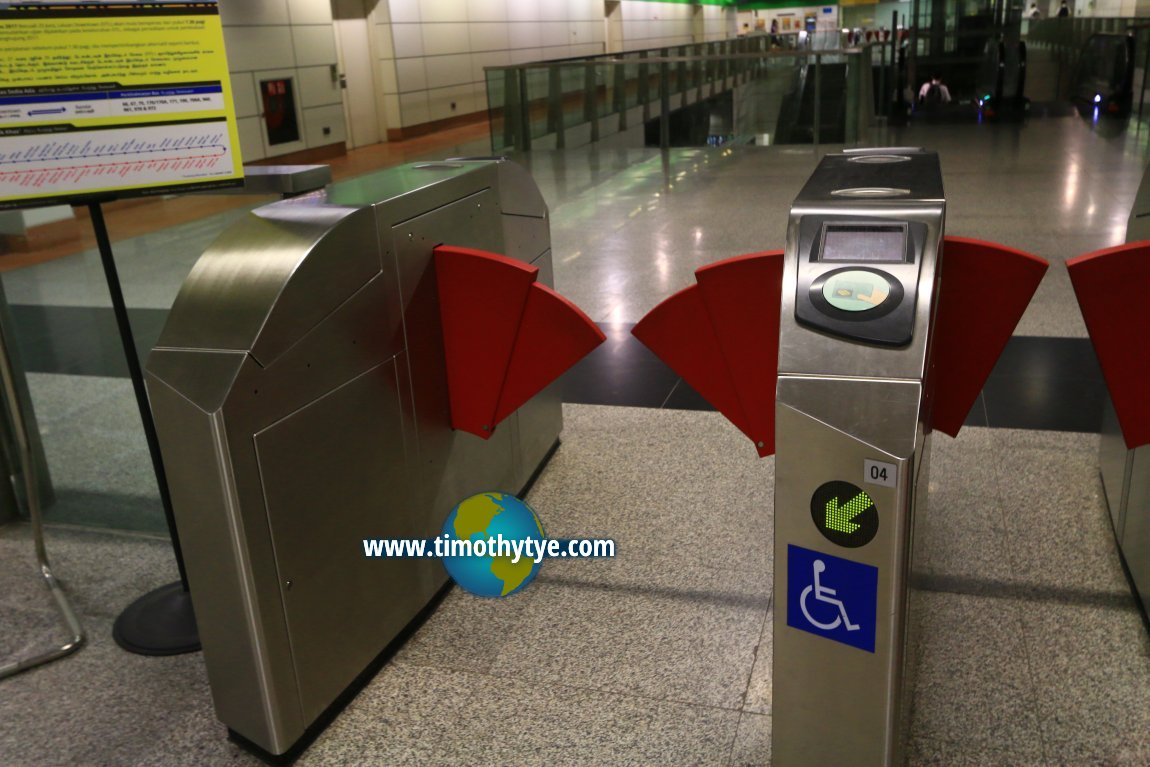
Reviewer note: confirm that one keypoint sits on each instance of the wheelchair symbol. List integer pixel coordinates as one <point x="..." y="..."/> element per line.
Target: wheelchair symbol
<point x="828" y="596"/>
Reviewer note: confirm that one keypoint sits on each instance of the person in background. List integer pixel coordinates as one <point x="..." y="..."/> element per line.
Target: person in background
<point x="933" y="93"/>
<point x="1063" y="10"/>
<point x="1034" y="13"/>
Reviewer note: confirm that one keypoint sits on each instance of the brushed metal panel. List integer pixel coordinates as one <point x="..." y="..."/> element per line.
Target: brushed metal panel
<point x="335" y="367"/>
<point x="1114" y="465"/>
<point x="525" y="238"/>
<point x="1138" y="223"/>
<point x="334" y="473"/>
<point x="539" y="420"/>
<point x="880" y="413"/>
<point x="203" y="377"/>
<point x="918" y="173"/>
<point x="454" y="465"/>
<point x="832" y="703"/>
<point x="357" y="336"/>
<point x="518" y="193"/>
<point x="247" y="693"/>
<point x="467" y="222"/>
<point x="399" y="194"/>
<point x="231" y="291"/>
<point x="1136" y="533"/>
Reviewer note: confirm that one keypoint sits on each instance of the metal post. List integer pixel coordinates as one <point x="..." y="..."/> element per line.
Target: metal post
<point x="816" y="118"/>
<point x="555" y="105"/>
<point x="160" y="622"/>
<point x="32" y="491"/>
<point x="511" y="107"/>
<point x="591" y="99"/>
<point x="664" y="106"/>
<point x="524" y="111"/>
<point x="1142" y="88"/>
<point x="644" y="85"/>
<point x="619" y="77"/>
<point x="912" y="48"/>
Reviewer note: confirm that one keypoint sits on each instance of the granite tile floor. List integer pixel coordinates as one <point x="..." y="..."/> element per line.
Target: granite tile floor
<point x="1032" y="650"/>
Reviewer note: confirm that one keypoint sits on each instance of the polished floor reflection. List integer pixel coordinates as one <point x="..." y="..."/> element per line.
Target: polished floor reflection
<point x="1033" y="652"/>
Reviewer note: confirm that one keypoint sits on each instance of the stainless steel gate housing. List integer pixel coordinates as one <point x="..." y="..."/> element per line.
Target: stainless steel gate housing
<point x="301" y="402"/>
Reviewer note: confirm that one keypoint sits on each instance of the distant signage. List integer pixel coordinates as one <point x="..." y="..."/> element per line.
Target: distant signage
<point x="831" y="597"/>
<point x="113" y="98"/>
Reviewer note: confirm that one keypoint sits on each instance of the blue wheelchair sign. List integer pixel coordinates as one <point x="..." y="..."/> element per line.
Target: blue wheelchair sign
<point x="832" y="597"/>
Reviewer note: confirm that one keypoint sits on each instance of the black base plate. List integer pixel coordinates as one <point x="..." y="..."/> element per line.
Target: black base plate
<point x="159" y="623"/>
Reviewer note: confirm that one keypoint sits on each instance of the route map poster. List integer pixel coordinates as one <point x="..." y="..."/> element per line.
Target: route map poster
<point x="113" y="99"/>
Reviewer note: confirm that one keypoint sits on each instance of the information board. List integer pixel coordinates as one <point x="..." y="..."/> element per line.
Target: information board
<point x="113" y="99"/>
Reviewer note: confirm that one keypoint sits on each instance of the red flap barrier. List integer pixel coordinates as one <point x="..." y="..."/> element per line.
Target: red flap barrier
<point x="1111" y="288"/>
<point x="984" y="289"/>
<point x="505" y="336"/>
<point x="722" y="337"/>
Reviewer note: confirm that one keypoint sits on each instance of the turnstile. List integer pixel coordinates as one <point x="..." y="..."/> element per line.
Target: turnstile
<point x="841" y="356"/>
<point x="852" y="442"/>
<point x="1108" y="285"/>
<point x="301" y="395"/>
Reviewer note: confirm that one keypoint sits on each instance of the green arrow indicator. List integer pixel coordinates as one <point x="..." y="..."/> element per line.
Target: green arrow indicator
<point x="839" y="517"/>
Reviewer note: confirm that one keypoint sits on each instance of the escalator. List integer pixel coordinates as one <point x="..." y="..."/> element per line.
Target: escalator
<point x="797" y="113"/>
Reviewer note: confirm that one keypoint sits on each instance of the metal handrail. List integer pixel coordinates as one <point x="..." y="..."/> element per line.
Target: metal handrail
<point x="680" y="74"/>
<point x="32" y="489"/>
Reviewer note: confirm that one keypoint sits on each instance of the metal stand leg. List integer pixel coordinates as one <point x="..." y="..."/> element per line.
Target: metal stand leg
<point x="162" y="621"/>
<point x="32" y="488"/>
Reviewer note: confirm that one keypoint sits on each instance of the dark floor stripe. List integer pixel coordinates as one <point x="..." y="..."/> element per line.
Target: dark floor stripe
<point x="1039" y="383"/>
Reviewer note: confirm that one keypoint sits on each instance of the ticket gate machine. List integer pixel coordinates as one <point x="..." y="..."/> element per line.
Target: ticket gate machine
<point x="1108" y="285"/>
<point x="873" y="347"/>
<point x="337" y="367"/>
<point x="852" y="450"/>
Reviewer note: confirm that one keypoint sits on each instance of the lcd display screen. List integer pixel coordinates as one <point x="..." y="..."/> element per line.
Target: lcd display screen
<point x="864" y="244"/>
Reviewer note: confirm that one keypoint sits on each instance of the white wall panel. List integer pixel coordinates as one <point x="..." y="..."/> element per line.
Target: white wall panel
<point x="384" y="45"/>
<point x="255" y="12"/>
<point x="555" y="33"/>
<point x="413" y="108"/>
<point x="403" y="10"/>
<point x="523" y="10"/>
<point x="552" y="10"/>
<point x="486" y="10"/>
<point x="439" y="101"/>
<point x="585" y="10"/>
<point x="388" y="81"/>
<point x="251" y="139"/>
<point x="251" y="48"/>
<point x="441" y="39"/>
<point x="391" y="106"/>
<point x="244" y="95"/>
<point x="443" y="71"/>
<point x="316" y="87"/>
<point x="489" y="36"/>
<point x="584" y="32"/>
<point x="443" y="10"/>
<point x="524" y="35"/>
<point x="525" y="55"/>
<point x="411" y="75"/>
<point x="324" y="125"/>
<point x="408" y="39"/>
<point x="310" y="11"/>
<point x="314" y="45"/>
